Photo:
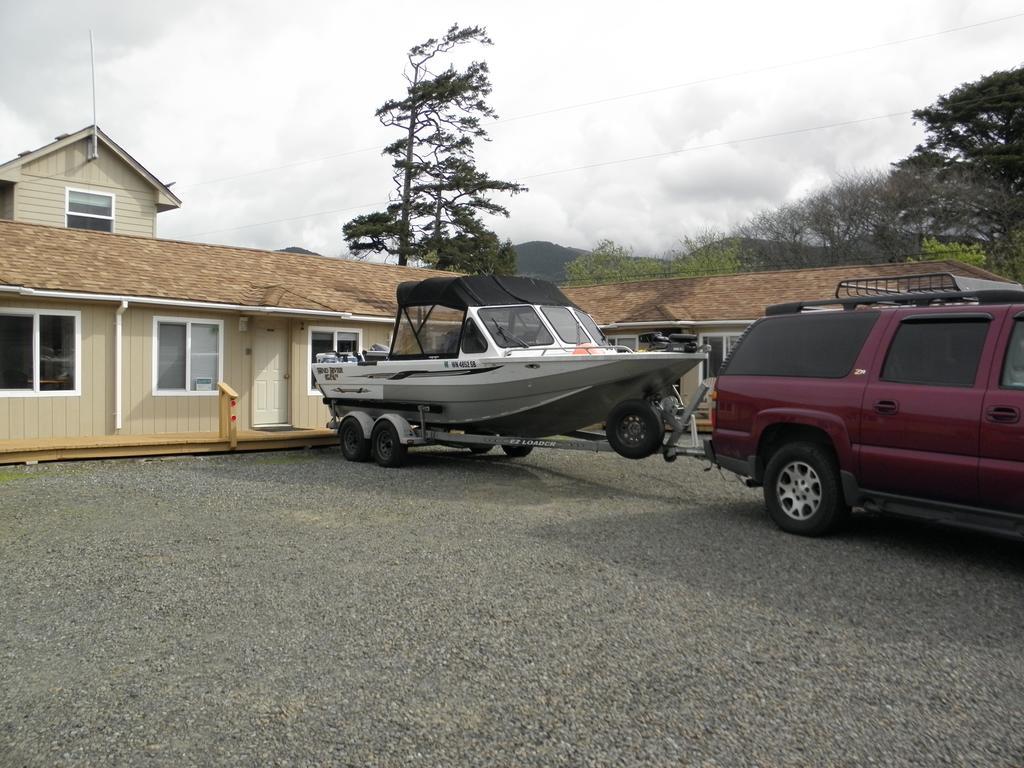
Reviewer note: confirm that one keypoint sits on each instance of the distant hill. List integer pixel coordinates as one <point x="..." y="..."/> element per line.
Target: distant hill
<point x="544" y="260"/>
<point x="297" y="249"/>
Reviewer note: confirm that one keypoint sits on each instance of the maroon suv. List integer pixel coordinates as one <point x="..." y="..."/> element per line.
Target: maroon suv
<point x="907" y="400"/>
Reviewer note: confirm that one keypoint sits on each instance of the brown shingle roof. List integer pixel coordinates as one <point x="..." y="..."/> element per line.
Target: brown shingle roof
<point x="734" y="297"/>
<point x="52" y="258"/>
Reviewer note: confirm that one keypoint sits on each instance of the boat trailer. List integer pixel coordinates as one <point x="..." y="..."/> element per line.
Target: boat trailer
<point x="390" y="434"/>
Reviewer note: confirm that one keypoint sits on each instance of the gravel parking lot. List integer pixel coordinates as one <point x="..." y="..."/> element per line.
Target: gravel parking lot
<point x="562" y="609"/>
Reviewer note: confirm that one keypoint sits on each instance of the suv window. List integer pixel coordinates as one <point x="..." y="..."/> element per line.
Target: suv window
<point x="823" y="345"/>
<point x="943" y="353"/>
<point x="1013" y="368"/>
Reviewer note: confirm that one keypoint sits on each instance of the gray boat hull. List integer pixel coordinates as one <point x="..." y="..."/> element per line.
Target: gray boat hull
<point x="527" y="396"/>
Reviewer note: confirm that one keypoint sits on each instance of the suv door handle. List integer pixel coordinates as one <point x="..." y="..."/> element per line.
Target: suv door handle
<point x="887" y="407"/>
<point x="1004" y="414"/>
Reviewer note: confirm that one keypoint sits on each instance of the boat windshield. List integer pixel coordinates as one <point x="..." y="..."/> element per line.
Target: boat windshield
<point x="427" y="332"/>
<point x="473" y="339"/>
<point x="591" y="326"/>
<point x="566" y="325"/>
<point x="515" y="326"/>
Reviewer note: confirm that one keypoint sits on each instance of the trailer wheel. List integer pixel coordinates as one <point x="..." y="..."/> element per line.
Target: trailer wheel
<point x="385" y="446"/>
<point x="517" y="451"/>
<point x="634" y="429"/>
<point x="354" y="445"/>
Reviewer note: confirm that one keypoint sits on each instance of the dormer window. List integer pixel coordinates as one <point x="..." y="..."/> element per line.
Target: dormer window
<point x="90" y="210"/>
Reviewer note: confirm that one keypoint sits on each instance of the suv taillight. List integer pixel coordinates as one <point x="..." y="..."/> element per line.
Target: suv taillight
<point x="713" y="411"/>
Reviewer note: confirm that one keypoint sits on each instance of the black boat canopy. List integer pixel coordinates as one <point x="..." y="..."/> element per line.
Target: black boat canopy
<point x="480" y="291"/>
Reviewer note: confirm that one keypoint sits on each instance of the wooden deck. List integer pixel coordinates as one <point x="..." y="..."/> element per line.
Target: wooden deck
<point x="65" y="448"/>
<point x="227" y="439"/>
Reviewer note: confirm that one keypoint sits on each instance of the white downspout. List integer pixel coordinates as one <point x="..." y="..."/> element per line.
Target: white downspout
<point x="117" y="363"/>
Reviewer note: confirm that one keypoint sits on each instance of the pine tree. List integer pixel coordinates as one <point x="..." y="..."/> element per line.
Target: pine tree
<point x="440" y="193"/>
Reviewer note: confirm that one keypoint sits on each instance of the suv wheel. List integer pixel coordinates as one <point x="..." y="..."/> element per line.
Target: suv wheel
<point x="802" y="491"/>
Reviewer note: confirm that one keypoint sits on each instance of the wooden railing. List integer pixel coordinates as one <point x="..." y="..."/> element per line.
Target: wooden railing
<point x="228" y="417"/>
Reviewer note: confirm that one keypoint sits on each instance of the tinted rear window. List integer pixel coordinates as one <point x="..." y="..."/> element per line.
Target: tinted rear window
<point x="1013" y="368"/>
<point x="940" y="353"/>
<point x="823" y="346"/>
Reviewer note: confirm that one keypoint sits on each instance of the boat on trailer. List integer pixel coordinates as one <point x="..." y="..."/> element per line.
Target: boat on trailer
<point x="506" y="357"/>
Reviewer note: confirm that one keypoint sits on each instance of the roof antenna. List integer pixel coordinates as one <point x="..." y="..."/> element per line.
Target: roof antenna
<point x="93" y="151"/>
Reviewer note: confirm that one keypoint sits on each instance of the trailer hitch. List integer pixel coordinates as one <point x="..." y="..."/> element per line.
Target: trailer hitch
<point x="682" y="422"/>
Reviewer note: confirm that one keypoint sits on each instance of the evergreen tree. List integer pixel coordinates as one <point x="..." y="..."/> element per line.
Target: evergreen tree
<point x="440" y="193"/>
<point x="980" y="125"/>
<point x="974" y="148"/>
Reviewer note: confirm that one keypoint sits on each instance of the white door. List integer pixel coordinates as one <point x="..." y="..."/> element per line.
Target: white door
<point x="270" y="367"/>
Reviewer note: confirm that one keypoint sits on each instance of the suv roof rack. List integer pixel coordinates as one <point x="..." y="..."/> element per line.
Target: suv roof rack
<point x="928" y="282"/>
<point x="928" y="289"/>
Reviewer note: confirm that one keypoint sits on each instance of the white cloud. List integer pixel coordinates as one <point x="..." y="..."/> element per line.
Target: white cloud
<point x="199" y="91"/>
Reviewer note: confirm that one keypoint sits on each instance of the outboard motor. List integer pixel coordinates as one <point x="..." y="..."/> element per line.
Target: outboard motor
<point x="375" y="352"/>
<point x="683" y="342"/>
<point x="674" y="342"/>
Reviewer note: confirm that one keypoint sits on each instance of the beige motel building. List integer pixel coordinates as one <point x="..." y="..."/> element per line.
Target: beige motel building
<point x="114" y="342"/>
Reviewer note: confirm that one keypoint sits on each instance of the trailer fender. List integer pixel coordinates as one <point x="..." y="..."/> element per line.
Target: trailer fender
<point x="405" y="433"/>
<point x="364" y="419"/>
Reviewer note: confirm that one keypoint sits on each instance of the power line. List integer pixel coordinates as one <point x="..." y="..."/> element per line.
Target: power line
<point x="583" y="167"/>
<point x="758" y="70"/>
<point x="634" y="94"/>
<point x="281" y="167"/>
<point x="719" y="144"/>
<point x="794" y="131"/>
<point x="280" y="221"/>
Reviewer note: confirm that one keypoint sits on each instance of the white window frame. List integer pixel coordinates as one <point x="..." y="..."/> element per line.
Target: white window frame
<point x="334" y="329"/>
<point x="36" y="391"/>
<point x="112" y="218"/>
<point x="617" y="340"/>
<point x="188" y="323"/>
<point x="730" y="337"/>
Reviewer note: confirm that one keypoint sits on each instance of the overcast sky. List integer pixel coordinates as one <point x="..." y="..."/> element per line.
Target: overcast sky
<point x="262" y="112"/>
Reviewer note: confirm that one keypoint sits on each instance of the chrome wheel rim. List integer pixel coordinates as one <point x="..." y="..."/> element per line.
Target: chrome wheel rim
<point x="798" y="490"/>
